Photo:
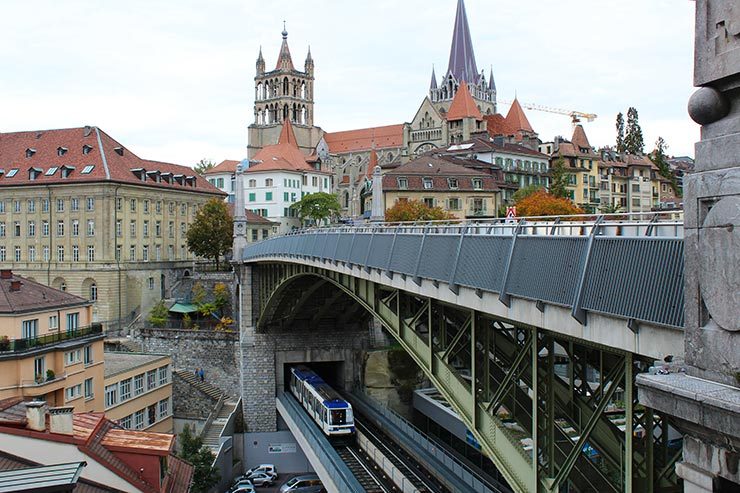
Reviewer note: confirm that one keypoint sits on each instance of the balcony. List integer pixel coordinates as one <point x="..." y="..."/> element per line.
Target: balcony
<point x="17" y="346"/>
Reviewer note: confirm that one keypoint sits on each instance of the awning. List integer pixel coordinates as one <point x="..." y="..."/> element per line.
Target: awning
<point x="183" y="308"/>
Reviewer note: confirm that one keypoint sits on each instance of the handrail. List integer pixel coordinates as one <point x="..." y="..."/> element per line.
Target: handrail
<point x="30" y="343"/>
<point x="212" y="416"/>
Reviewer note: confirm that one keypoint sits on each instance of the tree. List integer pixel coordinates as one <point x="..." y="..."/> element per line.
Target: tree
<point x="414" y="210"/>
<point x="546" y="204"/>
<point x="611" y="208"/>
<point x="159" y="314"/>
<point x="203" y="165"/>
<point x="620" y="132"/>
<point x="658" y="157"/>
<point x="210" y="234"/>
<point x="192" y="450"/>
<point x="559" y="179"/>
<point x="525" y="192"/>
<point x="317" y="206"/>
<point x="633" y="141"/>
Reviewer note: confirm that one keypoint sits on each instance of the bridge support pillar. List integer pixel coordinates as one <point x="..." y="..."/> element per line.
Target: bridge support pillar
<point x="706" y="402"/>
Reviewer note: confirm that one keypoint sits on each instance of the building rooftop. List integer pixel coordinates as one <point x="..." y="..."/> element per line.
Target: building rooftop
<point x="20" y="295"/>
<point x="41" y="478"/>
<point x="118" y="361"/>
<point x="225" y="166"/>
<point x="364" y="139"/>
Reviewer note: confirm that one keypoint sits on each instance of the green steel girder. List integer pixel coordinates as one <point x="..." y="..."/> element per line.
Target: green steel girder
<point x="481" y="365"/>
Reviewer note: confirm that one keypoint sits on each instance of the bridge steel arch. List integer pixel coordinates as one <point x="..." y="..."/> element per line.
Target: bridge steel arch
<point x="517" y="387"/>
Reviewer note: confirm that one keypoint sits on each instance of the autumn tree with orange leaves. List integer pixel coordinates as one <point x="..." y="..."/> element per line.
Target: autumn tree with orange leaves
<point x="415" y="210"/>
<point x="542" y="203"/>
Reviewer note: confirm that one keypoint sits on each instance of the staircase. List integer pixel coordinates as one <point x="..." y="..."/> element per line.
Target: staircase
<point x="210" y="390"/>
<point x="212" y="434"/>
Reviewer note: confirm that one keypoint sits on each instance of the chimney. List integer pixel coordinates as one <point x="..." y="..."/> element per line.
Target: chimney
<point x="87" y="131"/>
<point x="36" y="415"/>
<point x="6" y="274"/>
<point x="15" y="285"/>
<point x="61" y="420"/>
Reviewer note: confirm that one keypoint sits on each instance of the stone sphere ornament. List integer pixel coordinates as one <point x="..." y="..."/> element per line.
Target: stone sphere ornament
<point x="707" y="105"/>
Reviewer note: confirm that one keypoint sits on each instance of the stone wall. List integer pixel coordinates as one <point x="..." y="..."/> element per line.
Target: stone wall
<point x="188" y="402"/>
<point x="214" y="351"/>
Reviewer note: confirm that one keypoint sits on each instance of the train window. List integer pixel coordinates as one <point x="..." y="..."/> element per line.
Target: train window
<point x="338" y="417"/>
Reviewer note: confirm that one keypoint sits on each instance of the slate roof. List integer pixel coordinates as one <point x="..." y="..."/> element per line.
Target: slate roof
<point x="33" y="296"/>
<point x="52" y="153"/>
<point x="462" y="59"/>
<point x="364" y="139"/>
<point x="10" y="462"/>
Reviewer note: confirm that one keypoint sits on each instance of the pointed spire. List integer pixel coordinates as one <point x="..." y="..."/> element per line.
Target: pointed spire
<point x="516" y="119"/>
<point x="308" y="56"/>
<point x="433" y="84"/>
<point x="287" y="136"/>
<point x="462" y="59"/>
<point x="259" y="57"/>
<point x="284" y="61"/>
<point x="463" y="105"/>
<point x="579" y="138"/>
<point x="491" y="83"/>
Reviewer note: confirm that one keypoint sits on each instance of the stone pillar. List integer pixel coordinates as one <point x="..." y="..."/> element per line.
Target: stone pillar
<point x="378" y="210"/>
<point x="704" y="397"/>
<point x="240" y="219"/>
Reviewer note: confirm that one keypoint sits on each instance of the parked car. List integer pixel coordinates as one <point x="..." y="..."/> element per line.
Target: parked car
<point x="307" y="483"/>
<point x="261" y="478"/>
<point x="243" y="487"/>
<point x="268" y="468"/>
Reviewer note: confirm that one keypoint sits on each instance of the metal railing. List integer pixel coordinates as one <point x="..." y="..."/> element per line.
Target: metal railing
<point x="30" y="343"/>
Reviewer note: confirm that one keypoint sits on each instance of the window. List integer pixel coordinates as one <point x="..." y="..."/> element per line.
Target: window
<point x="304" y="178"/>
<point x="428" y="201"/>
<point x="151" y="414"/>
<point x="132" y="253"/>
<point x="453" y="183"/>
<point x="158" y="206"/>
<point x="60" y="228"/>
<point x="119" y="227"/>
<point x="2" y="207"/>
<point x="30" y="329"/>
<point x="44" y="205"/>
<point x="16" y="206"/>
<point x="88" y="355"/>
<point x="125" y="389"/>
<point x="286" y="197"/>
<point x="88" y="388"/>
<point x="182" y="230"/>
<point x="265" y="234"/>
<point x="477" y="184"/>
<point x="32" y="253"/>
<point x="119" y="203"/>
<point x="158" y="229"/>
<point x="2" y="229"/>
<point x="133" y="205"/>
<point x="268" y="196"/>
<point x="72" y="393"/>
<point x="151" y="379"/>
<point x="118" y="253"/>
<point x="146" y="206"/>
<point x="60" y="253"/>
<point x="183" y="209"/>
<point x="87" y="169"/>
<point x="145" y="229"/>
<point x="76" y="227"/>
<point x="39" y="368"/>
<point x="90" y="204"/>
<point x="44" y="254"/>
<point x="132" y="229"/>
<point x="403" y="183"/>
<point x="158" y="253"/>
<point x="255" y="234"/>
<point x="17" y="229"/>
<point x="75" y="253"/>
<point x="73" y="319"/>
<point x="164" y="408"/>
<point x="125" y="422"/>
<point x="111" y="395"/>
<point x="252" y="197"/>
<point x="91" y="227"/>
<point x="314" y="181"/>
<point x="3" y="253"/>
<point x="171" y="229"/>
<point x="53" y="322"/>
<point x="139" y="384"/>
<point x="44" y="228"/>
<point x="171" y="207"/>
<point x="75" y="204"/>
<point x="60" y="205"/>
<point x="72" y="357"/>
<point x="17" y="254"/>
<point x="145" y="253"/>
<point x="151" y="283"/>
<point x="93" y="286"/>
<point x="163" y="372"/>
<point x="252" y="183"/>
<point x="31" y="205"/>
<point x="268" y="182"/>
<point x="428" y="183"/>
<point x="139" y="419"/>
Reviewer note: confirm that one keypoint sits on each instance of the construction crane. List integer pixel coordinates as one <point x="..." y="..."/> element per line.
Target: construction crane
<point x="575" y="116"/>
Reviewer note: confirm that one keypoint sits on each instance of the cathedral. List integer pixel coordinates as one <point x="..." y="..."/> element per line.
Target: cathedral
<point x="459" y="106"/>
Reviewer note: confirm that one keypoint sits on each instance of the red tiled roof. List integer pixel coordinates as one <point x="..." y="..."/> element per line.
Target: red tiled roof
<point x="179" y="475"/>
<point x="83" y="148"/>
<point x="463" y="105"/>
<point x="33" y="296"/>
<point x="119" y="440"/>
<point x="579" y="137"/>
<point x="364" y="139"/>
<point x="225" y="166"/>
<point x="496" y="124"/>
<point x="287" y="136"/>
<point x="516" y="119"/>
<point x="283" y="156"/>
<point x="251" y="216"/>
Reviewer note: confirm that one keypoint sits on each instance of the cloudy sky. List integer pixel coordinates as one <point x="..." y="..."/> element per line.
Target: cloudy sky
<point x="173" y="80"/>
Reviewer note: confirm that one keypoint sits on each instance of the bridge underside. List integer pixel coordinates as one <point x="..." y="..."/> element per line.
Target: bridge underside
<point x="549" y="410"/>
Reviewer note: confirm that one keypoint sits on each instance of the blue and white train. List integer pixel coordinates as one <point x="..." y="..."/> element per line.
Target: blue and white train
<point x="332" y="413"/>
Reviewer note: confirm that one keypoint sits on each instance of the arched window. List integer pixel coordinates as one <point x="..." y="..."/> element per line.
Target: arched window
<point x="93" y="292"/>
<point x="268" y="182"/>
<point x="286" y="85"/>
<point x="346" y="199"/>
<point x="63" y="286"/>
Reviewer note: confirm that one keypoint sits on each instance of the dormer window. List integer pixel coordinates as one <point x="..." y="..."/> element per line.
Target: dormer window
<point x="66" y="171"/>
<point x="30" y="152"/>
<point x="140" y="173"/>
<point x="403" y="183"/>
<point x="428" y="183"/>
<point x="118" y="150"/>
<point x="477" y="184"/>
<point x="34" y="173"/>
<point x="166" y="177"/>
<point x="61" y="151"/>
<point x="178" y="179"/>
<point x="452" y="182"/>
<point x="86" y="149"/>
<point x="190" y="180"/>
<point x="51" y="171"/>
<point x="87" y="169"/>
<point x="12" y="173"/>
<point x="153" y="175"/>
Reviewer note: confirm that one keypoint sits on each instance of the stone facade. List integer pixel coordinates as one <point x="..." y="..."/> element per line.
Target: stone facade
<point x="214" y="351"/>
<point x="188" y="402"/>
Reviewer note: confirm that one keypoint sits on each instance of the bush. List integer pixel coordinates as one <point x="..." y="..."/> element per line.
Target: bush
<point x="542" y="203"/>
<point x="415" y="210"/>
<point x="50" y="375"/>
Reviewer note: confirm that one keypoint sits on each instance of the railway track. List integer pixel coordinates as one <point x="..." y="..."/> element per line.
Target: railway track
<point x="363" y="469"/>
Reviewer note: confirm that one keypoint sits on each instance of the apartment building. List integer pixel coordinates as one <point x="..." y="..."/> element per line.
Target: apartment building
<point x="49" y="350"/>
<point x="83" y="214"/>
<point x="138" y="391"/>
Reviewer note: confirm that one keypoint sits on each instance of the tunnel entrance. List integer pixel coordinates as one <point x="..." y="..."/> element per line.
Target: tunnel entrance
<point x="333" y="373"/>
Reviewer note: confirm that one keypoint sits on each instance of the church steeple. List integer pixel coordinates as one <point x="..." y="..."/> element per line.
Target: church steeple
<point x="462" y="59"/>
<point x="433" y="84"/>
<point x="308" y="65"/>
<point x="285" y="62"/>
<point x="260" y="63"/>
<point x="491" y="83"/>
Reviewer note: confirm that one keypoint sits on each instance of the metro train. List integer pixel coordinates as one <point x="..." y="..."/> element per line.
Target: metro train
<point x="325" y="406"/>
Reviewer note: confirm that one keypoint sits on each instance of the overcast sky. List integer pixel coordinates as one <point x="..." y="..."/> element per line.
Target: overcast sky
<point x="173" y="81"/>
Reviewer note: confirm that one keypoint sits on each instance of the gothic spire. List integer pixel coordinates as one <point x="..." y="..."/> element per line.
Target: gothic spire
<point x="433" y="84"/>
<point x="284" y="61"/>
<point x="462" y="59"/>
<point x="491" y="83"/>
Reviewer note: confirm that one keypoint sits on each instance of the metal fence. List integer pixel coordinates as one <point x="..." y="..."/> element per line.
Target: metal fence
<point x="630" y="267"/>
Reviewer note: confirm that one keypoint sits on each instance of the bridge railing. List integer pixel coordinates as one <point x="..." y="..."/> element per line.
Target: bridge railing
<point x="629" y="268"/>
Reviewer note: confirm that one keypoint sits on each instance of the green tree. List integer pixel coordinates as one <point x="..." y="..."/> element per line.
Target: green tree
<point x="620" y="132"/>
<point x="317" y="206"/>
<point x="659" y="159"/>
<point x="159" y="314"/>
<point x="633" y="140"/>
<point x="204" y="165"/>
<point x="192" y="450"/>
<point x="210" y="233"/>
<point x="559" y="179"/>
<point x="525" y="192"/>
<point x="415" y="210"/>
<point x="611" y="208"/>
<point x="221" y="296"/>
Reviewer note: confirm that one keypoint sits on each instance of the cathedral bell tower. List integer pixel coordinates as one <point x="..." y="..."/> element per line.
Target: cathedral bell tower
<point x="283" y="93"/>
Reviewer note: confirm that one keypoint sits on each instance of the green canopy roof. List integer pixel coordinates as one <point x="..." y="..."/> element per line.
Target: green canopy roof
<point x="183" y="308"/>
